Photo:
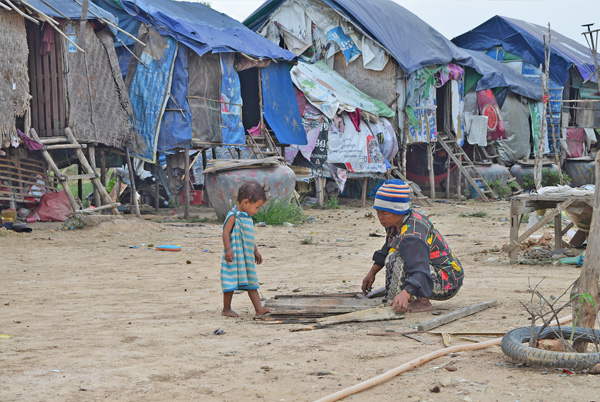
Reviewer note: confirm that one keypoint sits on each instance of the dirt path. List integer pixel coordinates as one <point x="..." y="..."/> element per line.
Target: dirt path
<point x="93" y="319"/>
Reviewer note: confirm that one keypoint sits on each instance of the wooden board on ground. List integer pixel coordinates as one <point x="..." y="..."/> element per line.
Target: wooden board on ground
<point x="318" y="305"/>
<point x="381" y="313"/>
<point x="455" y="315"/>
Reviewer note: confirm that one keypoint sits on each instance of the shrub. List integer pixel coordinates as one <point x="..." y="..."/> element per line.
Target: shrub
<point x="277" y="211"/>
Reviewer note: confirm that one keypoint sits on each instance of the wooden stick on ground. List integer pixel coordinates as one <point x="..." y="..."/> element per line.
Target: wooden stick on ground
<point x="412" y="364"/>
<point x="455" y="315"/>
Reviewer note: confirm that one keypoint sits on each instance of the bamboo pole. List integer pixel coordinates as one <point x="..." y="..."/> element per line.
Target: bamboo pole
<point x="415" y="363"/>
<point x="556" y="151"/>
<point x="107" y="22"/>
<point x="133" y="191"/>
<point x="83" y="23"/>
<point x="186" y="185"/>
<point x="21" y="13"/>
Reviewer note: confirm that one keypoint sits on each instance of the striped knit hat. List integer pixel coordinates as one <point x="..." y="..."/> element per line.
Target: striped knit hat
<point x="393" y="196"/>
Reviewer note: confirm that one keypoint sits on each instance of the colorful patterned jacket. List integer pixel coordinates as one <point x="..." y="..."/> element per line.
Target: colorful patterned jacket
<point x="417" y="231"/>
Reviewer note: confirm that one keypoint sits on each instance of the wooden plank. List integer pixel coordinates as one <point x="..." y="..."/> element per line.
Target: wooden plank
<point x="364" y="192"/>
<point x="62" y="103"/>
<point x="456" y="314"/>
<point x="32" y="73"/>
<point x="38" y="123"/>
<point x="550" y="215"/>
<point x="47" y="85"/>
<point x="53" y="73"/>
<point x="373" y="314"/>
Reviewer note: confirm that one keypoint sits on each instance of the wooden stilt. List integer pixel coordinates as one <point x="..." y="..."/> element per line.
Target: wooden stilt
<point x="132" y="189"/>
<point x="186" y="185"/>
<point x="320" y="190"/>
<point x="431" y="172"/>
<point x="364" y="192"/>
<point x="92" y="156"/>
<point x="156" y="188"/>
<point x="93" y="175"/>
<point x="103" y="167"/>
<point x="57" y="173"/>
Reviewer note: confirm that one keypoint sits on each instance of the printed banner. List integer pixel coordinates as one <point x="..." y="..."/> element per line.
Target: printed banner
<point x="345" y="42"/>
<point x="358" y="151"/>
<point x="489" y="107"/>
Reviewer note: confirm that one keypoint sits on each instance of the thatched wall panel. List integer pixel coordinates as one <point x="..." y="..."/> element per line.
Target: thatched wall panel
<point x="97" y="108"/>
<point x="14" y="80"/>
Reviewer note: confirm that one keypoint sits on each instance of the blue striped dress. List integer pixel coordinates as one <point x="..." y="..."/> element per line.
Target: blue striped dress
<point x="240" y="274"/>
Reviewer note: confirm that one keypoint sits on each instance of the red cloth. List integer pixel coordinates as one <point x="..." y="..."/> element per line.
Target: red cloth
<point x="575" y="142"/>
<point x="47" y="39"/>
<point x="489" y="107"/>
<point x="53" y="207"/>
<point x="355" y="117"/>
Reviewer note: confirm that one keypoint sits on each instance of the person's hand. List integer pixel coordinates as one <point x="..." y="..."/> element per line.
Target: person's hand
<point x="257" y="257"/>
<point x="400" y="302"/>
<point x="229" y="255"/>
<point x="367" y="283"/>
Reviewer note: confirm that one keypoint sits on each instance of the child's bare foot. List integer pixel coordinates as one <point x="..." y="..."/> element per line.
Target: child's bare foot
<point x="263" y="311"/>
<point x="229" y="313"/>
<point x="419" y="305"/>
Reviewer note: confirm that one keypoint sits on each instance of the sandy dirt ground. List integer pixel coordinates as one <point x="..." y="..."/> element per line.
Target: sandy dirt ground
<point x="92" y="319"/>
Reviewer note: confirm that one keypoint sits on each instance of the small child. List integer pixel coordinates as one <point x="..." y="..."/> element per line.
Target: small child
<point x="238" y="271"/>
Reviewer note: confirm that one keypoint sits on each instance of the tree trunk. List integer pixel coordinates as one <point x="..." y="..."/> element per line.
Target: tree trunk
<point x="590" y="272"/>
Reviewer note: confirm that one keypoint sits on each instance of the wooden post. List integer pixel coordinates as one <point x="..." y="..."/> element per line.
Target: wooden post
<point x="448" y="167"/>
<point x="156" y="189"/>
<point x="79" y="183"/>
<point x="364" y="192"/>
<point x="319" y="191"/>
<point x="405" y="143"/>
<point x="214" y="153"/>
<point x="590" y="272"/>
<point x="82" y="23"/>
<point x="88" y="168"/>
<point x="558" y="244"/>
<point x="515" y="222"/>
<point x="260" y="101"/>
<point x="132" y="189"/>
<point x="430" y="147"/>
<point x="92" y="155"/>
<point x="186" y="185"/>
<point x="103" y="168"/>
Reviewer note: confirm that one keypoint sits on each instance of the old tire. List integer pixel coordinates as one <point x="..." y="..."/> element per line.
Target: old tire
<point x="512" y="345"/>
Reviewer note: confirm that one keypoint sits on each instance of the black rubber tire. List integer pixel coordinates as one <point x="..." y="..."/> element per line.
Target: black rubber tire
<point x="512" y="345"/>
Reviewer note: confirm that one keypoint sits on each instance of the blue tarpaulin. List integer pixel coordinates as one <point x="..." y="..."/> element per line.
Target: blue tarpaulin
<point x="126" y="21"/>
<point x="280" y="104"/>
<point x="497" y="74"/>
<point x="203" y="29"/>
<point x="411" y="41"/>
<point x="176" y="124"/>
<point x="69" y="8"/>
<point x="231" y="102"/>
<point x="525" y="40"/>
<point x="148" y="103"/>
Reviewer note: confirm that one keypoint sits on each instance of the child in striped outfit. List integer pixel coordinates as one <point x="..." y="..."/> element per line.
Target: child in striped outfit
<point x="238" y="271"/>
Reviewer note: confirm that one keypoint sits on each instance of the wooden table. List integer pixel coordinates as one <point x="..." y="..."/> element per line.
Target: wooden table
<point x="555" y="204"/>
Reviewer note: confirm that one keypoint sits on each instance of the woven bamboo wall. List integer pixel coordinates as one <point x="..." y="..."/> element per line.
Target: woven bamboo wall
<point x="97" y="101"/>
<point x="14" y="80"/>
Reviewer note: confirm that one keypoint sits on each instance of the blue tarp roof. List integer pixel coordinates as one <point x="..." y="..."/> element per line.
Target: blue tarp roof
<point x="411" y="41"/>
<point x="203" y="29"/>
<point x="497" y="74"/>
<point x="68" y="8"/>
<point x="525" y="40"/>
<point x="126" y="21"/>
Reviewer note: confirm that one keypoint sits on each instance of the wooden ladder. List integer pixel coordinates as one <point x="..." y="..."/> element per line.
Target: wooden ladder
<point x="91" y="173"/>
<point x="262" y="145"/>
<point x="466" y="166"/>
<point x="418" y="195"/>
